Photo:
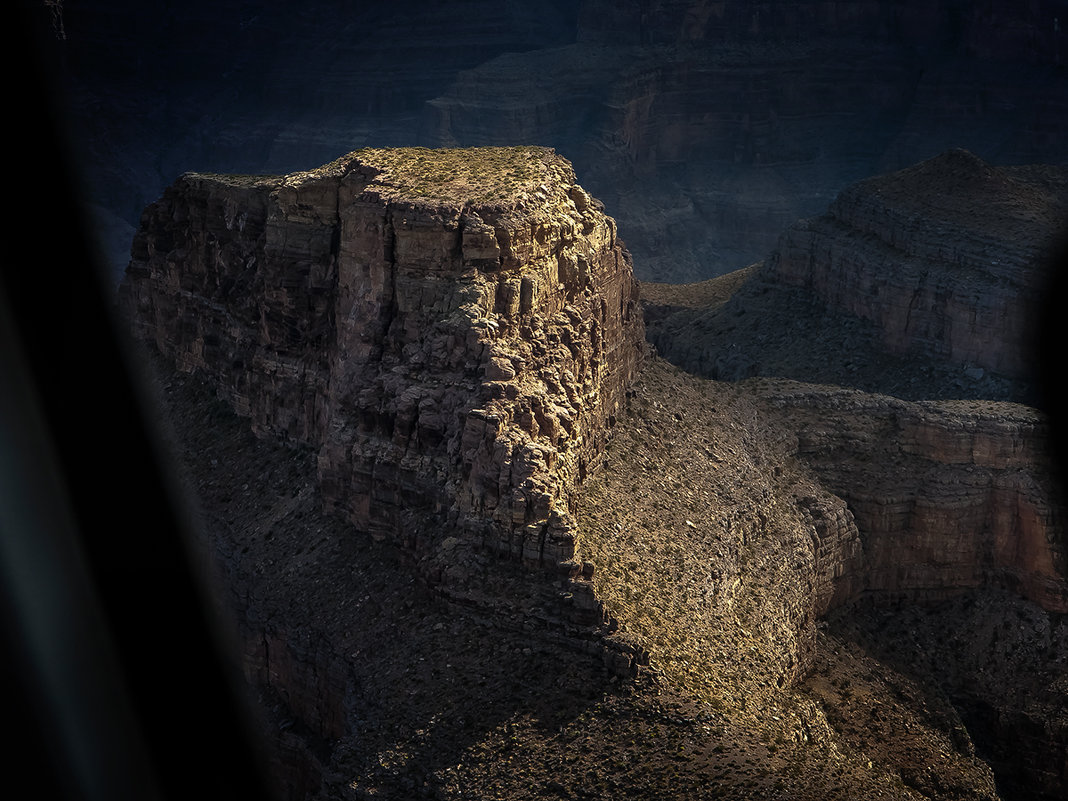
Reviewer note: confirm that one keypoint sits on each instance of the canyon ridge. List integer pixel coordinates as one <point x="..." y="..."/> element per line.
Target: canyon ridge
<point x="490" y="518"/>
<point x="707" y="127"/>
<point x="482" y="538"/>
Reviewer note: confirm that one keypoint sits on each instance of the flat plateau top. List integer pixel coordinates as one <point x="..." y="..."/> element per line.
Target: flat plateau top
<point x="958" y="187"/>
<point x="484" y="174"/>
<point x="487" y="176"/>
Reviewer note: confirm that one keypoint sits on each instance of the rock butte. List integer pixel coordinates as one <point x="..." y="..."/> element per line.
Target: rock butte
<point x="453" y="330"/>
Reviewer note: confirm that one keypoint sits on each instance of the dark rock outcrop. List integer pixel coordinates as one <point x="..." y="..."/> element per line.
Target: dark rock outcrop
<point x="998" y="660"/>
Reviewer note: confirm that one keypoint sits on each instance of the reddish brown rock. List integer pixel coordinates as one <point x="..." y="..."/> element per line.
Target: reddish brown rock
<point x="947" y="495"/>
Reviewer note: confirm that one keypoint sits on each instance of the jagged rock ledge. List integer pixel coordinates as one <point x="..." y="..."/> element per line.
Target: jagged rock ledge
<point x="453" y="330"/>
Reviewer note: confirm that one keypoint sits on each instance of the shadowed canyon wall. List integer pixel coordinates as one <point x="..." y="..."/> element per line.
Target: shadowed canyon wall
<point x="912" y="278"/>
<point x="927" y="282"/>
<point x="947" y="495"/>
<point x="950" y="259"/>
<point x="707" y="127"/>
<point x="711" y="126"/>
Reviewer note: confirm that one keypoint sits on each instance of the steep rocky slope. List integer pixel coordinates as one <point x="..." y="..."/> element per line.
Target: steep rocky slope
<point x="721" y="535"/>
<point x="466" y="703"/>
<point x="956" y="500"/>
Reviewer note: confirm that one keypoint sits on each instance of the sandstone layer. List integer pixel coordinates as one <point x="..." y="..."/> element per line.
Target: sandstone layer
<point x="452" y="330"/>
<point x="947" y="495"/>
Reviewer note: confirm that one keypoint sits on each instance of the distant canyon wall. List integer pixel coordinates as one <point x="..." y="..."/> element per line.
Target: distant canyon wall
<point x="707" y="127"/>
<point x="950" y="259"/>
<point x="1031" y="31"/>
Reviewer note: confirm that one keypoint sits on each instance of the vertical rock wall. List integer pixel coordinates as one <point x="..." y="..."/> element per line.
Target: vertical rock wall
<point x="453" y="330"/>
<point x="947" y="495"/>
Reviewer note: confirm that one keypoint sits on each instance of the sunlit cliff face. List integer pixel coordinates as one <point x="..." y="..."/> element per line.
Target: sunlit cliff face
<point x="453" y="330"/>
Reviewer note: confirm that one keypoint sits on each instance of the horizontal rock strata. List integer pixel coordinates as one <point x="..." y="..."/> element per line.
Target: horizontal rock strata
<point x="947" y="496"/>
<point x="949" y="258"/>
<point x="453" y="330"/>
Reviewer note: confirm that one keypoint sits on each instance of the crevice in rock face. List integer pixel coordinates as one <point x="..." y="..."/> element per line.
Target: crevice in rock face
<point x="388" y="307"/>
<point x="914" y="304"/>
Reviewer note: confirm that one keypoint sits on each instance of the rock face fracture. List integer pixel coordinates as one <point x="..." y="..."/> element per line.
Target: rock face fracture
<point x="453" y="330"/>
